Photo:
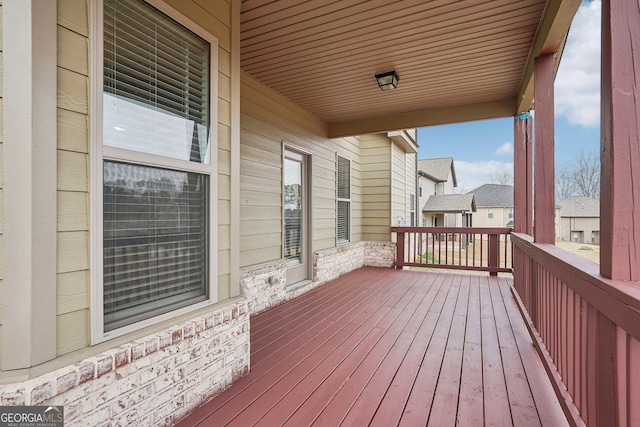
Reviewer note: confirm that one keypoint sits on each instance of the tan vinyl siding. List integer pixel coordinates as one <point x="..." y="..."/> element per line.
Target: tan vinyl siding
<point x="398" y="187"/>
<point x="410" y="187"/>
<point x="376" y="187"/>
<point x="73" y="161"/>
<point x="73" y="176"/>
<point x="267" y="121"/>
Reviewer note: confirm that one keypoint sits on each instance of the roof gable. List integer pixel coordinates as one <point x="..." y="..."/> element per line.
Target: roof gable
<point x="450" y="203"/>
<point x="438" y="170"/>
<point x="493" y="195"/>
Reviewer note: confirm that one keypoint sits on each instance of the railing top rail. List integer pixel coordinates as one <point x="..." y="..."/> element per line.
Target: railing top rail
<point x="461" y="230"/>
<point x="616" y="299"/>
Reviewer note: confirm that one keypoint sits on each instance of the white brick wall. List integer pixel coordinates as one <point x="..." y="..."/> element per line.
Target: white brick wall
<point x="154" y="381"/>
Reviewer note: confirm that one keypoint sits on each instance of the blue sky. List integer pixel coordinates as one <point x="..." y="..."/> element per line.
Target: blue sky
<point x="484" y="149"/>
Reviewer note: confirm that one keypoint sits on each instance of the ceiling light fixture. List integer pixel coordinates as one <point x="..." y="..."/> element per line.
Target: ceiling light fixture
<point x="387" y="81"/>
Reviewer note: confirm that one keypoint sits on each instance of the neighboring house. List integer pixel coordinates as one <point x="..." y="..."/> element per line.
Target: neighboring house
<point x="451" y="207"/>
<point x="495" y="205"/>
<point x="580" y="220"/>
<point x="437" y="177"/>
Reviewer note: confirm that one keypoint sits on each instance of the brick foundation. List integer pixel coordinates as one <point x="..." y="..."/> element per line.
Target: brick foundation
<point x="154" y="381"/>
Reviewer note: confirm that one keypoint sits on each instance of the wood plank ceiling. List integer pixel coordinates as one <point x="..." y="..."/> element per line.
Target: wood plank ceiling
<point x="457" y="60"/>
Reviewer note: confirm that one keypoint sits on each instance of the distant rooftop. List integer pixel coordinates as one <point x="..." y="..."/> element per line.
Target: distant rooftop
<point x="579" y="207"/>
<point x="438" y="169"/>
<point x="493" y="195"/>
<point x="450" y="203"/>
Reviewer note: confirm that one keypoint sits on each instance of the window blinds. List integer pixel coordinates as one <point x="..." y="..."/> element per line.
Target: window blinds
<point x="155" y="219"/>
<point x="155" y="241"/>
<point x="343" y="202"/>
<point x="156" y="83"/>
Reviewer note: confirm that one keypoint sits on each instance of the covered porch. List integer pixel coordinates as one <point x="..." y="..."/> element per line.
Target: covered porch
<point x="392" y="347"/>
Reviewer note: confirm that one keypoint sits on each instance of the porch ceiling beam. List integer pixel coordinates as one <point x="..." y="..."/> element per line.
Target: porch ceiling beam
<point x="550" y="37"/>
<point x="421" y="118"/>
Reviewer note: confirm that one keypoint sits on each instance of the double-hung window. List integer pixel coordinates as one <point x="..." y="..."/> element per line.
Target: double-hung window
<point x="343" y="203"/>
<point x="154" y="167"/>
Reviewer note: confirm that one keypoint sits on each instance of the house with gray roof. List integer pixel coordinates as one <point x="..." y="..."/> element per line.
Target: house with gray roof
<point x="580" y="220"/>
<point x="440" y="206"/>
<point x="494" y="205"/>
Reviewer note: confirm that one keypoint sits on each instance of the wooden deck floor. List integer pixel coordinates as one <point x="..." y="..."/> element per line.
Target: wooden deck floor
<point x="386" y="347"/>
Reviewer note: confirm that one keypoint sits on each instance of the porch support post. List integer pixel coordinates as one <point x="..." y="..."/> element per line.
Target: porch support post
<point x="523" y="174"/>
<point x="30" y="176"/>
<point x="620" y="142"/>
<point x="544" y="177"/>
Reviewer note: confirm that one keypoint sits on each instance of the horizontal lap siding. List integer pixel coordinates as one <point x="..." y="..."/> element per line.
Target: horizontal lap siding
<point x="267" y="121"/>
<point x="398" y="185"/>
<point x="376" y="188"/>
<point x="73" y="328"/>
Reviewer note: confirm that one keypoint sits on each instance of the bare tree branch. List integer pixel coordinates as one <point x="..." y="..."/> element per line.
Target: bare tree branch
<point x="564" y="184"/>
<point x="583" y="179"/>
<point x="504" y="178"/>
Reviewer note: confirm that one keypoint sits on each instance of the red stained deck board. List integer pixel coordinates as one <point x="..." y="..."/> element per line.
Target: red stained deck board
<point x="364" y="390"/>
<point x="321" y="305"/>
<point x="445" y="403"/>
<point x="350" y="373"/>
<point x="496" y="402"/>
<point x="392" y="406"/>
<point x="382" y="387"/>
<point x="523" y="408"/>
<point x="279" y="363"/>
<point x="471" y="413"/>
<point x="545" y="399"/>
<point x="303" y="321"/>
<point x="284" y="397"/>
<point x="420" y="400"/>
<point x="386" y="351"/>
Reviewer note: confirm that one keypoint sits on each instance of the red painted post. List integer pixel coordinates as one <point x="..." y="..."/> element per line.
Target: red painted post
<point x="493" y="253"/>
<point x="544" y="176"/>
<point x="522" y="174"/>
<point x="620" y="141"/>
<point x="400" y="250"/>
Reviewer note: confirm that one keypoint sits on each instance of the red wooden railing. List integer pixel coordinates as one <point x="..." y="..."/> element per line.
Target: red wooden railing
<point x="457" y="248"/>
<point x="587" y="330"/>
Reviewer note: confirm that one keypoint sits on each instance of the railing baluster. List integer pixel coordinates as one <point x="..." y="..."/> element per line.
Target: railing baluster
<point x="443" y="247"/>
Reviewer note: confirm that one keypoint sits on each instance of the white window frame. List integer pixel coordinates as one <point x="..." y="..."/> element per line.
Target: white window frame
<point x="347" y="200"/>
<point x="100" y="153"/>
<point x="490" y="213"/>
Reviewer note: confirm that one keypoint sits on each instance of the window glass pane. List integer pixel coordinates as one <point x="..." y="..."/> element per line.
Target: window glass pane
<point x="293" y="203"/>
<point x="344" y="178"/>
<point x="155" y="241"/>
<point x="156" y="83"/>
<point x="343" y="221"/>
